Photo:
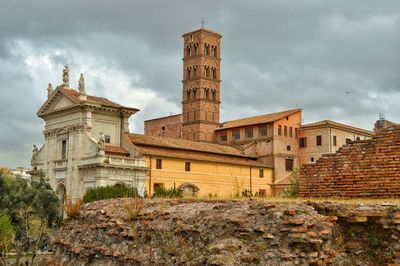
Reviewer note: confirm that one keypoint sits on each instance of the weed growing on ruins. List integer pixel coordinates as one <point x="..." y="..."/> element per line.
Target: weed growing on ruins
<point x="72" y="207"/>
<point x="293" y="191"/>
<point x="110" y="192"/>
<point x="133" y="210"/>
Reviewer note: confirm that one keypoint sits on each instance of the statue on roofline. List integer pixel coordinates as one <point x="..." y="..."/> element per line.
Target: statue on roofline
<point x="66" y="76"/>
<point x="35" y="154"/>
<point x="101" y="144"/>
<point x="81" y="85"/>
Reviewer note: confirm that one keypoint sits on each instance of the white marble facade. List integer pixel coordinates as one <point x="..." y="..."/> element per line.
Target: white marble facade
<point x="83" y="140"/>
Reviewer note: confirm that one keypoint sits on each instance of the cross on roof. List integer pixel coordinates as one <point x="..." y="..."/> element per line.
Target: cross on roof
<point x="202" y="23"/>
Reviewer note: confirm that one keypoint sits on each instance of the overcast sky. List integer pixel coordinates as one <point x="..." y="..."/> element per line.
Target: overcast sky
<point x="337" y="59"/>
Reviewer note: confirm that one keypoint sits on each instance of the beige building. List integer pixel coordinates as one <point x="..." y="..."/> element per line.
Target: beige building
<point x="325" y="137"/>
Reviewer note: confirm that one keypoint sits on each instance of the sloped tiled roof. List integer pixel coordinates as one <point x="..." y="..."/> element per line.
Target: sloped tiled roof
<point x="74" y="96"/>
<point x="139" y="139"/>
<point x="260" y="119"/>
<point x="112" y="149"/>
<point x="192" y="150"/>
<point x="330" y="123"/>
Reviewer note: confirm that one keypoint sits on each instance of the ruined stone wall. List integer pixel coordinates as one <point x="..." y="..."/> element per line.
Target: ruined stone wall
<point x="367" y="168"/>
<point x="234" y="232"/>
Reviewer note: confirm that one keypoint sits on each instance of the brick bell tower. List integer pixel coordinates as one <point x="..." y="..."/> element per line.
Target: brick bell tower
<point x="201" y="84"/>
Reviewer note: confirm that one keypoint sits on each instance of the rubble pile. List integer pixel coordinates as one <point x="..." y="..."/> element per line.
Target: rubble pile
<point x="233" y="232"/>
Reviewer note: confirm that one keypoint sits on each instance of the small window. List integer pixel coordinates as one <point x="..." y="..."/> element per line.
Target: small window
<point x="279" y="130"/>
<point x="262" y="192"/>
<point x="285" y="131"/>
<point x="291" y="132"/>
<point x="187" y="166"/>
<point x="289" y="165"/>
<point x="287" y="118"/>
<point x="263" y="131"/>
<point x="236" y="134"/>
<point x="107" y="139"/>
<point x="223" y="137"/>
<point x="296" y="133"/>
<point x="261" y="173"/>
<point x="319" y="140"/>
<point x="348" y="141"/>
<point x="334" y="141"/>
<point x="303" y="142"/>
<point x="158" y="163"/>
<point x="249" y="133"/>
<point x="63" y="150"/>
<point x="312" y="159"/>
<point x="288" y="148"/>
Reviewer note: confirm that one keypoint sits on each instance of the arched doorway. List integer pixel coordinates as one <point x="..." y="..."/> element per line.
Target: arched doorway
<point x="189" y="190"/>
<point x="61" y="194"/>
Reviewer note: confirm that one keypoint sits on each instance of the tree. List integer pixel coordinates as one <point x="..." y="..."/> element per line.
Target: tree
<point x="32" y="207"/>
<point x="6" y="233"/>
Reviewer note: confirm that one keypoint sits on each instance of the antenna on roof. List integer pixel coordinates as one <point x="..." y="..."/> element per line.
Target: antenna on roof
<point x="202" y="23"/>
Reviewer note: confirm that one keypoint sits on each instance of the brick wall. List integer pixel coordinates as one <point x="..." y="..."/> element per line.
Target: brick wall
<point x="367" y="168"/>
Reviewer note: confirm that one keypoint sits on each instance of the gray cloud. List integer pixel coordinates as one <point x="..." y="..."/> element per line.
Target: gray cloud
<point x="277" y="54"/>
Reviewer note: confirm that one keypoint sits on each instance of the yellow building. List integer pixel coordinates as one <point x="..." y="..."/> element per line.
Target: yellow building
<point x="200" y="168"/>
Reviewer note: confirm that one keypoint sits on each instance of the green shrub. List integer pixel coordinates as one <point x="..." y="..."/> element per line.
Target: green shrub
<point x="161" y="192"/>
<point x="110" y="192"/>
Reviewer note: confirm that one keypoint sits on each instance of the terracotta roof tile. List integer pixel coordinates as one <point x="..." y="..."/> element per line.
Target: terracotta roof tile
<point x="140" y="139"/>
<point x="260" y="119"/>
<point x="74" y="96"/>
<point x="112" y="149"/>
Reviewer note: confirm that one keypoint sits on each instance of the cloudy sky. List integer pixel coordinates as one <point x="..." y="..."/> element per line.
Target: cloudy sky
<point x="276" y="55"/>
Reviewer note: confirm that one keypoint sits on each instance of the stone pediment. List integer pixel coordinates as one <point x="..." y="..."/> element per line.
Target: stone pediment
<point x="57" y="101"/>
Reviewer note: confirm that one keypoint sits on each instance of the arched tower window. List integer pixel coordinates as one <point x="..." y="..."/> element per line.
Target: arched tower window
<point x="214" y="95"/>
<point x="207" y="94"/>
<point x="214" y="73"/>
<point x="188" y="95"/>
<point x="188" y="74"/>
<point x="197" y="48"/>
<point x="194" y="93"/>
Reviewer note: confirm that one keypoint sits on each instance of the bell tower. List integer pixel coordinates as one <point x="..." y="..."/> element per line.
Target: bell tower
<point x="201" y="84"/>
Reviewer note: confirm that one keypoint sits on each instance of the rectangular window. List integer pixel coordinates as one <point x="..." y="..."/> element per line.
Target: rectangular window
<point x="158" y="163"/>
<point x="285" y="131"/>
<point x="334" y="141"/>
<point x="319" y="140"/>
<point x="263" y="131"/>
<point x="187" y="166"/>
<point x="279" y="130"/>
<point x="63" y="150"/>
<point x="303" y="142"/>
<point x="249" y="133"/>
<point x="223" y="137"/>
<point x="236" y="134"/>
<point x="296" y="133"/>
<point x="262" y="192"/>
<point x="261" y="173"/>
<point x="289" y="165"/>
<point x="107" y="139"/>
<point x="291" y="132"/>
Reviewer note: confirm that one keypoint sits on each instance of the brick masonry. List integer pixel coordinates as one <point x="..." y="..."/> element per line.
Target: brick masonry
<point x="367" y="168"/>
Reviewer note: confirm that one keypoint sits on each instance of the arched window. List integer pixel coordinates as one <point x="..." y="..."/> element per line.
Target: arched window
<point x="188" y="95"/>
<point x="207" y="94"/>
<point x="197" y="49"/>
<point x="188" y="74"/>
<point x="215" y="51"/>
<point x="194" y="93"/>
<point x="214" y="73"/>
<point x="195" y="72"/>
<point x="214" y="95"/>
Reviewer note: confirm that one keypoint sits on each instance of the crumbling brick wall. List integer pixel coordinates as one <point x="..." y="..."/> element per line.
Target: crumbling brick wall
<point x="368" y="168"/>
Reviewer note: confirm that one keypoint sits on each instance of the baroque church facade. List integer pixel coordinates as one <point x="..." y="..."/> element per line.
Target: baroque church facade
<point x="87" y="142"/>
